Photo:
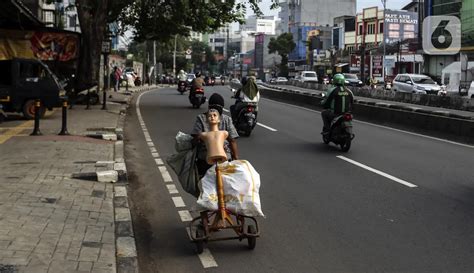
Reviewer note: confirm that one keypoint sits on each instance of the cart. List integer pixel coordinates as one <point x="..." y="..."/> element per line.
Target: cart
<point x="203" y="228"/>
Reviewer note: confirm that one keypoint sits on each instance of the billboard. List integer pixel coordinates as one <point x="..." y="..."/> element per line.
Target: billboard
<point x="41" y="45"/>
<point x="400" y="25"/>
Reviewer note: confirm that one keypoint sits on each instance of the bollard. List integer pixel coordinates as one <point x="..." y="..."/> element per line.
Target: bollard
<point x="36" y="131"/>
<point x="64" y="131"/>
<point x="104" y="100"/>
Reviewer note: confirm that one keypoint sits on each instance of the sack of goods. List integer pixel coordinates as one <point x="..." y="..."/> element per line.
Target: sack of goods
<point x="241" y="186"/>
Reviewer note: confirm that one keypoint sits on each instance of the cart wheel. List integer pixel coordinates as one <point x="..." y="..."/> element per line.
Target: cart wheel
<point x="199" y="243"/>
<point x="252" y="241"/>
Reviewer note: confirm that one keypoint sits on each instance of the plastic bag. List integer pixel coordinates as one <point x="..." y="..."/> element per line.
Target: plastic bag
<point x="183" y="164"/>
<point x="241" y="188"/>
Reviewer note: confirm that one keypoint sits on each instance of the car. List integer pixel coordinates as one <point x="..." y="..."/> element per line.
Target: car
<point x="415" y="83"/>
<point x="308" y="76"/>
<point x="281" y="80"/>
<point x="353" y="80"/>
<point x="259" y="81"/>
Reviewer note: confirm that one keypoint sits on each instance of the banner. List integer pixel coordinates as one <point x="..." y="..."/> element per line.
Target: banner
<point x="42" y="45"/>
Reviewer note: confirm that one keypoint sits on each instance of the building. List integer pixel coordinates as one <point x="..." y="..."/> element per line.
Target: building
<point x="265" y="64"/>
<point x="43" y="11"/>
<point x="308" y="15"/>
<point x="284" y="16"/>
<point x="397" y="29"/>
<point x="254" y="25"/>
<point x="218" y="41"/>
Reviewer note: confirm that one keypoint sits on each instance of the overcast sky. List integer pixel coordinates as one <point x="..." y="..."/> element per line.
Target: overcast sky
<point x="361" y="4"/>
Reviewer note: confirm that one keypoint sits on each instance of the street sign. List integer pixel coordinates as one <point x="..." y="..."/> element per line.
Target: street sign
<point x="189" y="51"/>
<point x="188" y="56"/>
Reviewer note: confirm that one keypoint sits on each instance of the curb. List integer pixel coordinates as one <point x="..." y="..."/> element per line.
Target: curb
<point x="126" y="255"/>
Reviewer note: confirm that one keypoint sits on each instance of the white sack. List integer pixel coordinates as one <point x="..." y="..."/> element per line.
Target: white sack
<point x="241" y="187"/>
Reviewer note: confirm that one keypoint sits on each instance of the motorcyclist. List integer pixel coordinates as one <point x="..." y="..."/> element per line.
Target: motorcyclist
<point x="248" y="93"/>
<point x="197" y="83"/>
<point x="339" y="100"/>
<point x="182" y="76"/>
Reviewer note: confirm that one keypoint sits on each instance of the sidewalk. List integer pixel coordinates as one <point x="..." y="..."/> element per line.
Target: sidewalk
<point x="52" y="222"/>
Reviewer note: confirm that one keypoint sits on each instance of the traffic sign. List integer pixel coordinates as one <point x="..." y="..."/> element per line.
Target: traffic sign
<point x="189" y="51"/>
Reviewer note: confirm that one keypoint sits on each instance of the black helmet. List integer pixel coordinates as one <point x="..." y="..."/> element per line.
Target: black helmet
<point x="244" y="81"/>
<point x="198" y="74"/>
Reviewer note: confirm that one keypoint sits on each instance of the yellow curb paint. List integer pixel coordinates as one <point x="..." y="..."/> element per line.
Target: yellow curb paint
<point x="15" y="131"/>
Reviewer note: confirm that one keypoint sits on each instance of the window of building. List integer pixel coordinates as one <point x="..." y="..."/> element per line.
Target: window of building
<point x="48" y="16"/>
<point x="360" y="30"/>
<point x="72" y="21"/>
<point x="381" y="27"/>
<point x="371" y="28"/>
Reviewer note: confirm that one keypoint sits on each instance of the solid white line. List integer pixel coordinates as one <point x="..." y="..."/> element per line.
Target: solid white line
<point x="207" y="259"/>
<point x="381" y="126"/>
<point x="165" y="174"/>
<point x="158" y="161"/>
<point x="172" y="189"/>
<point x="259" y="124"/>
<point x="398" y="180"/>
<point x="155" y="155"/>
<point x="266" y="127"/>
<point x="178" y="201"/>
<point x="185" y="215"/>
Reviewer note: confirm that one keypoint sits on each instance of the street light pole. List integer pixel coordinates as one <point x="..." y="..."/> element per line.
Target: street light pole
<point x="154" y="62"/>
<point x="174" y="56"/>
<point x="384" y="2"/>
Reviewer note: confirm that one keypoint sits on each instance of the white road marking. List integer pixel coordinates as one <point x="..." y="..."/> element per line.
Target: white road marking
<point x="207" y="260"/>
<point x="148" y="139"/>
<point x="259" y="124"/>
<point x="150" y="144"/>
<point x="398" y="180"/>
<point x="153" y="150"/>
<point x="155" y="155"/>
<point x="165" y="174"/>
<point x="382" y="126"/>
<point x="172" y="189"/>
<point x="266" y="127"/>
<point x="158" y="161"/>
<point x="178" y="202"/>
<point x="185" y="215"/>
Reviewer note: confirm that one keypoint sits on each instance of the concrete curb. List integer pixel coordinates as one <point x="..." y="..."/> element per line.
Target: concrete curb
<point x="126" y="255"/>
<point x="439" y="123"/>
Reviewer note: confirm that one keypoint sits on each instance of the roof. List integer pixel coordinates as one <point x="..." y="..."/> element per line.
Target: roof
<point x="410" y="5"/>
<point x="15" y="15"/>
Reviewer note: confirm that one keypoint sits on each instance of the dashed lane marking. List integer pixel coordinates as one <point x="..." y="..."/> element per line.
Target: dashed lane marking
<point x="178" y="202"/>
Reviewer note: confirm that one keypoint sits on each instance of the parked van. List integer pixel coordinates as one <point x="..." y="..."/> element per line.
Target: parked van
<point x="22" y="81"/>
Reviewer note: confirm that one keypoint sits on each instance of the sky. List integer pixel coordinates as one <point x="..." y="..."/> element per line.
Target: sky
<point x="361" y="4"/>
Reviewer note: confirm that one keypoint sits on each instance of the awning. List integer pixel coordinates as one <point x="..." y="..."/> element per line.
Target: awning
<point x="341" y="64"/>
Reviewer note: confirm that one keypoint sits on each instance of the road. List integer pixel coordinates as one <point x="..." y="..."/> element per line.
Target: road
<point x="396" y="202"/>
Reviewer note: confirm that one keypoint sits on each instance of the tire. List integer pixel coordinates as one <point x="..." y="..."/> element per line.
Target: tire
<point x="94" y="99"/>
<point x="248" y="132"/>
<point x="346" y="145"/>
<point x="251" y="240"/>
<point x="199" y="243"/>
<point x="29" y="110"/>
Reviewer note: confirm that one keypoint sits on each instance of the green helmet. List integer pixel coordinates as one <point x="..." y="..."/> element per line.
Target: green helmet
<point x="339" y="80"/>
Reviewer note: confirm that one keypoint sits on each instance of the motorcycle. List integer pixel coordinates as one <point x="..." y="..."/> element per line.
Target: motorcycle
<point x="198" y="98"/>
<point x="340" y="132"/>
<point x="182" y="87"/>
<point x="246" y="119"/>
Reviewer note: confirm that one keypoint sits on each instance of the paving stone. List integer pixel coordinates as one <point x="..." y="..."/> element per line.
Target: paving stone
<point x="85" y="266"/>
<point x="89" y="254"/>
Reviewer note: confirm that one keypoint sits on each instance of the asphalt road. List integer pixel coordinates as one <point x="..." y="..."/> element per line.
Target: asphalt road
<point x="396" y="202"/>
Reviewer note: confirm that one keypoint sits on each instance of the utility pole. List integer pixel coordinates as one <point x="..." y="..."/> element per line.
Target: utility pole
<point x="154" y="62"/>
<point x="384" y="49"/>
<point x="362" y="54"/>
<point x="174" y="55"/>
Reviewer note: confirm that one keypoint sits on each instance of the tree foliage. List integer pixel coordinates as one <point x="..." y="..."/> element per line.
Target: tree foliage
<point x="283" y="45"/>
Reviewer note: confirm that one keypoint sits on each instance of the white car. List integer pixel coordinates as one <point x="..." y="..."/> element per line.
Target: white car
<point x="415" y="83"/>
<point x="281" y="80"/>
<point x="308" y="76"/>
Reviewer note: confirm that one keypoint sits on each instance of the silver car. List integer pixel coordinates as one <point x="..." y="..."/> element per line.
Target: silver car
<point x="415" y="83"/>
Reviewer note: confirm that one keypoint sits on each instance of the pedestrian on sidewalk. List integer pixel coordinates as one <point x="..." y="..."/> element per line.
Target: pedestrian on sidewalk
<point x="118" y="76"/>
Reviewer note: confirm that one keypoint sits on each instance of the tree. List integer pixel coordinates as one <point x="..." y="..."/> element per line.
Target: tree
<point x="283" y="44"/>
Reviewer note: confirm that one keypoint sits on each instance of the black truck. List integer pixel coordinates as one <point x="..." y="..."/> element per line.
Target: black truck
<point x="22" y="81"/>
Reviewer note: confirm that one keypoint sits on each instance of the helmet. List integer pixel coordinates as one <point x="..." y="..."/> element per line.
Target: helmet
<point x="198" y="74"/>
<point x="244" y="81"/>
<point x="339" y="80"/>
